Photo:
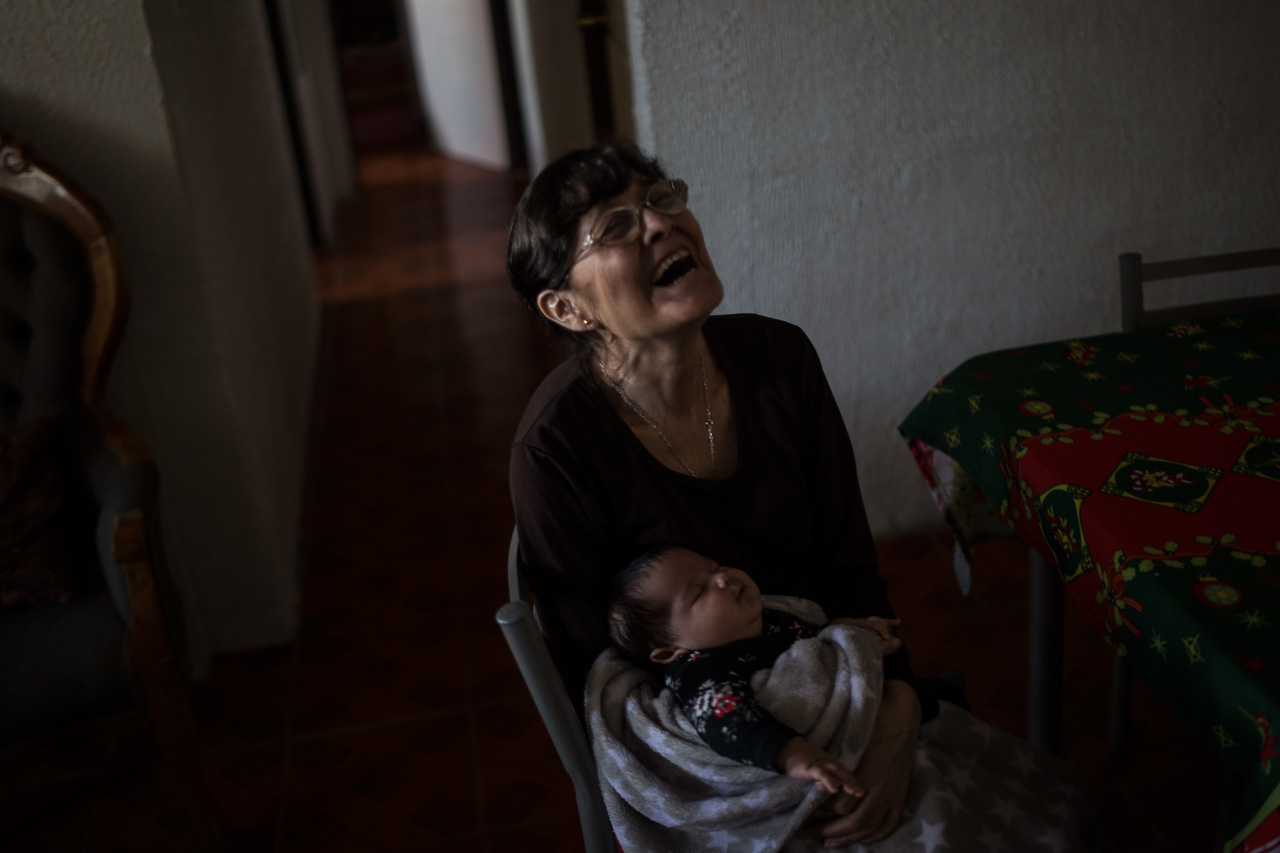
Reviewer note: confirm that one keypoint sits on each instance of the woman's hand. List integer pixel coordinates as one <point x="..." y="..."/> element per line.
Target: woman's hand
<point x="800" y="759"/>
<point x="878" y="625"/>
<point x="885" y="774"/>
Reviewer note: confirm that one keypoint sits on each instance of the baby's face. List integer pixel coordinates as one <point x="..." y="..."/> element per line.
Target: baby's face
<point x="710" y="604"/>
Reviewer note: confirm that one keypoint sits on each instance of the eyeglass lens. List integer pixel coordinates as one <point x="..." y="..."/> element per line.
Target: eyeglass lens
<point x="622" y="225"/>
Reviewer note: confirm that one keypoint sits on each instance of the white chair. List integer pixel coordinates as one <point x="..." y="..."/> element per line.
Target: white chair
<point x="524" y="635"/>
<point x="1134" y="273"/>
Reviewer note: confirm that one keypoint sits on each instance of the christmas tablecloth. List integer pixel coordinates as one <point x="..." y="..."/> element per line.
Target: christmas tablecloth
<point x="1146" y="467"/>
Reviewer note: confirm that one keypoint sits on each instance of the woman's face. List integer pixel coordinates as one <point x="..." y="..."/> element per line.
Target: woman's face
<point x="661" y="284"/>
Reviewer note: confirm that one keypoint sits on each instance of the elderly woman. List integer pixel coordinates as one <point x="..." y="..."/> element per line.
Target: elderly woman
<point x="670" y="425"/>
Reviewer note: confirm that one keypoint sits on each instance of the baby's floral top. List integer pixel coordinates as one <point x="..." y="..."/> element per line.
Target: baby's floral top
<point x="714" y="687"/>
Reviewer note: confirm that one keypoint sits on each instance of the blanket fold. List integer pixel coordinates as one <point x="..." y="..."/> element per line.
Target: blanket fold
<point x="973" y="787"/>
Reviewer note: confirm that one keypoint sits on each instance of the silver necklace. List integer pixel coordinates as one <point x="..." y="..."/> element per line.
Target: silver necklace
<point x="644" y="416"/>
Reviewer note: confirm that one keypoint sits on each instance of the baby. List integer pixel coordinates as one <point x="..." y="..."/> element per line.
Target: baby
<point x="705" y="625"/>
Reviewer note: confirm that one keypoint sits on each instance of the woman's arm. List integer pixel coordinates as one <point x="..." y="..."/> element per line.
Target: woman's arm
<point x="850" y="583"/>
<point x="884" y="773"/>
<point x="563" y="561"/>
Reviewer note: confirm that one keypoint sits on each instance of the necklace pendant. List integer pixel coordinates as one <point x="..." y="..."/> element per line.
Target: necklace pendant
<point x="644" y="416"/>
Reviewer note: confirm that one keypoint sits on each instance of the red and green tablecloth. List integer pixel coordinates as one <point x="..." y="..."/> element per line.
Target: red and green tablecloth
<point x="1146" y="467"/>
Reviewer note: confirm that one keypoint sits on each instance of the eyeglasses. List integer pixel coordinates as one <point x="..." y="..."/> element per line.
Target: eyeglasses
<point x="621" y="225"/>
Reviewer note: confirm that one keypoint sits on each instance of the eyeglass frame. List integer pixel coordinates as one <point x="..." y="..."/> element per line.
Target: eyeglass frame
<point x="681" y="191"/>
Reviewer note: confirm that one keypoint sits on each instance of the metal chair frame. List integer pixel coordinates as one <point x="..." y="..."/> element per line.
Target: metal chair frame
<point x="520" y="626"/>
<point x="1134" y="273"/>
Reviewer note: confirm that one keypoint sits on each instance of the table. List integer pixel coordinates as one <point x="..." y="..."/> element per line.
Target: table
<point x="1143" y="467"/>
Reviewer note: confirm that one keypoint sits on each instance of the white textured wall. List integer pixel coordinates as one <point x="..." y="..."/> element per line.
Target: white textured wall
<point x="168" y="115"/>
<point x="914" y="183"/>
<point x="257" y="287"/>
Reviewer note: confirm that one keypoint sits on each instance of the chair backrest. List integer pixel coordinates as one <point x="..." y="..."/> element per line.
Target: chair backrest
<point x="62" y="294"/>
<point x="1134" y="273"/>
<point x="524" y="636"/>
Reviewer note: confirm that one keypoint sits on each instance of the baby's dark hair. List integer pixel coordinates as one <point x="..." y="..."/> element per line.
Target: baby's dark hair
<point x="637" y="625"/>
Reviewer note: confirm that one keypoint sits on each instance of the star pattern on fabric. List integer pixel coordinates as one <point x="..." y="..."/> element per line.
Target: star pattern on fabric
<point x="1054" y="839"/>
<point x="953" y="438"/>
<point x="1061" y="808"/>
<point x="1028" y="392"/>
<point x="723" y="839"/>
<point x="961" y="779"/>
<point x="1065" y="789"/>
<point x="975" y="403"/>
<point x="1126" y="356"/>
<point x="988" y="443"/>
<point x="1007" y="810"/>
<point x="1092" y="375"/>
<point x="1253" y="619"/>
<point x="1015" y="787"/>
<point x="1203" y="346"/>
<point x="931" y="835"/>
<point x="1051" y="366"/>
<point x="949" y="796"/>
<point x="992" y="841"/>
<point x="1159" y="644"/>
<point x="1025" y="762"/>
<point x="1248" y="355"/>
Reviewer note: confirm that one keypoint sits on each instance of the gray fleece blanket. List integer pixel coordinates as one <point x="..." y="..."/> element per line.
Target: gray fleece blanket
<point x="973" y="787"/>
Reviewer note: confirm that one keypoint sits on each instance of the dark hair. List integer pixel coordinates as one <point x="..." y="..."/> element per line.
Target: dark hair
<point x="544" y="236"/>
<point x="637" y="625"/>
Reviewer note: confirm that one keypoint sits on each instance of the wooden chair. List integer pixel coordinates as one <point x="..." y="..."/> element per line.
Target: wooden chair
<point x="524" y="636"/>
<point x="104" y="640"/>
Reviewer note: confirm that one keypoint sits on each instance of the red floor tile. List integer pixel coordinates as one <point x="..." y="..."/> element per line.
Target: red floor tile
<point x="381" y="786"/>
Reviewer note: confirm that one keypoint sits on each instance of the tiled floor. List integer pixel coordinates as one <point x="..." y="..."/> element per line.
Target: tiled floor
<point x="397" y="721"/>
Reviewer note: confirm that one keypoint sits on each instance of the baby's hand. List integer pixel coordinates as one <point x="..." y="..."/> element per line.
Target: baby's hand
<point x="881" y="627"/>
<point x="800" y="759"/>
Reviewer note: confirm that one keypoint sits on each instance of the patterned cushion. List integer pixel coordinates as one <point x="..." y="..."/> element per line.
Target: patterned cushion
<point x="36" y="519"/>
